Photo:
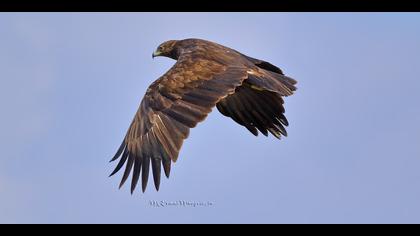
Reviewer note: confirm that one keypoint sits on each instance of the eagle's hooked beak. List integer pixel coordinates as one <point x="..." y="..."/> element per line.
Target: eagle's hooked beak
<point x="156" y="54"/>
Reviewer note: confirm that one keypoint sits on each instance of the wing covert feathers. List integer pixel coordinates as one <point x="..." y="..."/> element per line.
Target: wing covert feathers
<point x="172" y="105"/>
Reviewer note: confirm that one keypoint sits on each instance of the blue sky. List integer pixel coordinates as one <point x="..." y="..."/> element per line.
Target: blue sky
<point x="71" y="83"/>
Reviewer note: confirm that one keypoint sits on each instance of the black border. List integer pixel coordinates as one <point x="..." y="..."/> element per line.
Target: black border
<point x="210" y="6"/>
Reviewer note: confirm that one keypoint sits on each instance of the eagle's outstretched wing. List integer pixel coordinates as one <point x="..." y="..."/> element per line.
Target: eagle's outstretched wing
<point x="172" y="105"/>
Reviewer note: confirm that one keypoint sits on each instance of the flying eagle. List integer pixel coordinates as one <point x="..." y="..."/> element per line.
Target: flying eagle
<point x="205" y="75"/>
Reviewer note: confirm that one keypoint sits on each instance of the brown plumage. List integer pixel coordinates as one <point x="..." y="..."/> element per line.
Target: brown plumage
<point x="205" y="75"/>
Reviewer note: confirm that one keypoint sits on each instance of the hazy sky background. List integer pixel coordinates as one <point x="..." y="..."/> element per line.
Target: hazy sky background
<point x="71" y="83"/>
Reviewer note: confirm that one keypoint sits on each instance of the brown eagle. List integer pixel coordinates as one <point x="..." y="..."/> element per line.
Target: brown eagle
<point x="205" y="75"/>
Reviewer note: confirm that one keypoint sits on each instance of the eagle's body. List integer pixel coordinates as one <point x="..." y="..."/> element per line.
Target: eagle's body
<point x="205" y="75"/>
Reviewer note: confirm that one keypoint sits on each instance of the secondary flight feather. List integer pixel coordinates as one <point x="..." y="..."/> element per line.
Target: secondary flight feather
<point x="206" y="75"/>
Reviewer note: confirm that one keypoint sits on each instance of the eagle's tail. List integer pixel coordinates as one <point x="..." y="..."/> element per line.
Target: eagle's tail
<point x="273" y="82"/>
<point x="269" y="77"/>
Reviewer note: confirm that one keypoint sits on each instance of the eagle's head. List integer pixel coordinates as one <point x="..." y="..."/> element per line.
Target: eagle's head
<point x="167" y="49"/>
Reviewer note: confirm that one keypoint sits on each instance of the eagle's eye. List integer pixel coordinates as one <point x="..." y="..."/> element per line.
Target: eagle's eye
<point x="160" y="48"/>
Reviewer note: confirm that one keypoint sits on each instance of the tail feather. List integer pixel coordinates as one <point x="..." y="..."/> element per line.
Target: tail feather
<point x="272" y="82"/>
<point x="270" y="77"/>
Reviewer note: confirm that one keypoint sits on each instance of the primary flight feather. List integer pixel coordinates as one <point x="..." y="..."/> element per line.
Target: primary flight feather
<point x="205" y="75"/>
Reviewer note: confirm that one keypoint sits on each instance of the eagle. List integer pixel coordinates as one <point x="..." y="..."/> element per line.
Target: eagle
<point x="206" y="75"/>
